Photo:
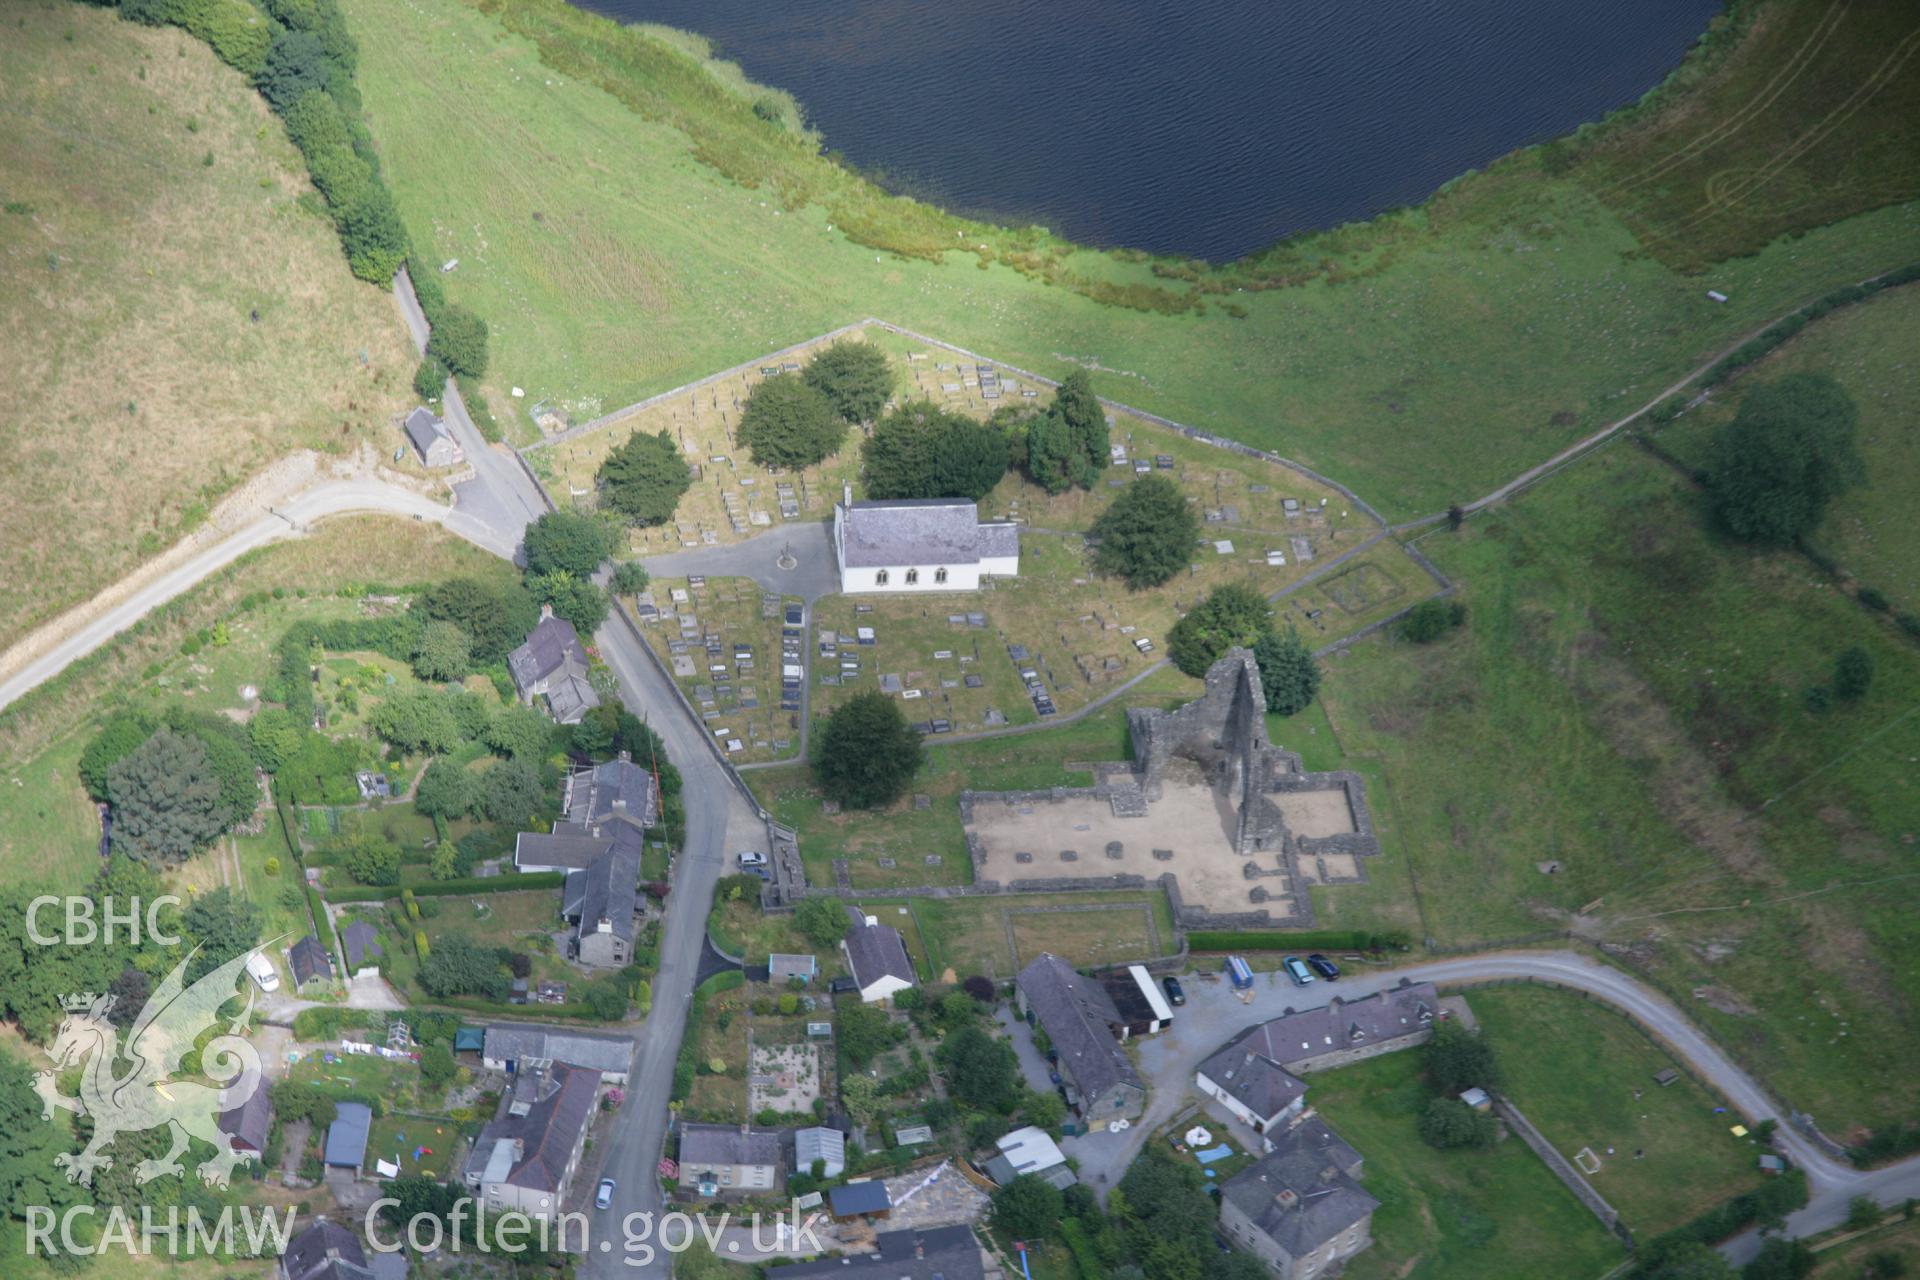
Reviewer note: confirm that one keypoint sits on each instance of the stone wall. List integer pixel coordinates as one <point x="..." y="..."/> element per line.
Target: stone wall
<point x="1563" y="1169"/>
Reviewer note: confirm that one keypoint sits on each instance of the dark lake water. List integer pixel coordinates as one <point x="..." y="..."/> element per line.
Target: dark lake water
<point x="1211" y="128"/>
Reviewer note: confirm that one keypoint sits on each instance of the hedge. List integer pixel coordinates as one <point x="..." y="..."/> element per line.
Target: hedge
<point x="322" y="926"/>
<point x="450" y="888"/>
<point x="1085" y="1257"/>
<point x="1774" y="335"/>
<point x="1277" y="940"/>
<point x="420" y="944"/>
<point x="1773" y="1199"/>
<point x="687" y="1066"/>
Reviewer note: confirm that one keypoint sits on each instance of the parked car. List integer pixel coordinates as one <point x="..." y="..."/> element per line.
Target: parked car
<point x="604" y="1196"/>
<point x="1297" y="970"/>
<point x="1176" y="994"/>
<point x="752" y="858"/>
<point x="1323" y="966"/>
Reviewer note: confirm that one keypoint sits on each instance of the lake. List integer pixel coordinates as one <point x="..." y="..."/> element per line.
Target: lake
<point x="1209" y="129"/>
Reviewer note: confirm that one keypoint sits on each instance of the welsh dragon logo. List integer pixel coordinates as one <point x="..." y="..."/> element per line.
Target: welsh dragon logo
<point x="148" y="1096"/>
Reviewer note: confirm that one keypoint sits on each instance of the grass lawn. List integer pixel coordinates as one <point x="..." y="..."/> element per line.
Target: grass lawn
<point x="1583" y="1075"/>
<point x="1868" y="347"/>
<point x="1421" y="357"/>
<point x="740" y="928"/>
<point x="722" y="1035"/>
<point x="395" y="1082"/>
<point x="1484" y="1215"/>
<point x="908" y="836"/>
<point x="1620" y="728"/>
<point x="398" y="1137"/>
<point x="49" y="828"/>
<point x="744" y="698"/>
<point x="177" y="320"/>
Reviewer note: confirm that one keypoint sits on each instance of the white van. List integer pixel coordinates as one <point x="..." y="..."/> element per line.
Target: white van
<point x="261" y="970"/>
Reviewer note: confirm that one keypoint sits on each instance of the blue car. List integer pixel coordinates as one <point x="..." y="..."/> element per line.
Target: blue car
<point x="1297" y="970"/>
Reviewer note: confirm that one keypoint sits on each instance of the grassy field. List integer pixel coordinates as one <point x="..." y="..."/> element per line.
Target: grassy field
<point x="1617" y="743"/>
<point x="1583" y="1075"/>
<point x="907" y="835"/>
<point x="744" y="699"/>
<point x="1869" y="348"/>
<point x="1421" y="358"/>
<point x="176" y="319"/>
<point x="998" y="936"/>
<point x="1446" y="1214"/>
<point x="1901" y="1238"/>
<point x="722" y="1035"/>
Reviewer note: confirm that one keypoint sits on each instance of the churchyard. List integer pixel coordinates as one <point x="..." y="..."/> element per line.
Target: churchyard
<point x="697" y="626"/>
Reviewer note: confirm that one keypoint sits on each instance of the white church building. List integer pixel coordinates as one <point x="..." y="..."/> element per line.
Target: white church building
<point x="920" y="544"/>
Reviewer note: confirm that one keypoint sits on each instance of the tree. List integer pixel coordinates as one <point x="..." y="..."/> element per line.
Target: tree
<point x="787" y="423"/>
<point x="446" y="791"/>
<point x="1085" y="420"/>
<point x="1053" y="458"/>
<point x="419" y="720"/>
<point x="430" y="379"/>
<point x="459" y="966"/>
<point x="221" y="926"/>
<point x="981" y="1070"/>
<point x="1863" y="1212"/>
<point x="1431" y="619"/>
<point x="823" y="920"/>
<point x="511" y="791"/>
<point x="569" y="541"/>
<point x="28" y="1144"/>
<point x="1027" y="1208"/>
<point x="1146" y="534"/>
<point x="1780" y="1259"/>
<point x="1044" y="1110"/>
<point x="375" y="242"/>
<point x="861" y="1096"/>
<point x="276" y="737"/>
<point x="864" y="1033"/>
<point x="867" y="754"/>
<point x="442" y="652"/>
<point x="368" y="859"/>
<point x="495" y="612"/>
<point x="854" y="377"/>
<point x="1789" y="451"/>
<point x="229" y="757"/>
<point x="924" y="451"/>
<point x="166" y="800"/>
<point x="437" y="1067"/>
<point x="1449" y="1123"/>
<point x="520" y="733"/>
<point x="643" y="479"/>
<point x="1852" y="674"/>
<point x="123" y="734"/>
<point x="1288" y="673"/>
<point x="459" y="341"/>
<point x="296" y="64"/>
<point x="1882" y="1265"/>
<point x="1230" y="616"/>
<point x="1457" y="1059"/>
<point x="980" y="988"/>
<point x="629" y="579"/>
<point x="606" y="999"/>
<point x="580" y="601"/>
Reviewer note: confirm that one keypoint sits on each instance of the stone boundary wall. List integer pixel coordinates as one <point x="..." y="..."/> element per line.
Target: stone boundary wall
<point x="1563" y="1169"/>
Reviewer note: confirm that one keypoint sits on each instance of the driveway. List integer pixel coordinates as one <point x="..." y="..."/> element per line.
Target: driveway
<point x="1033" y="1068"/>
<point x="804" y="549"/>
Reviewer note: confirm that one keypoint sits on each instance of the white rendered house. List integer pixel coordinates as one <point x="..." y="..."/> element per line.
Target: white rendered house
<point x="920" y="544"/>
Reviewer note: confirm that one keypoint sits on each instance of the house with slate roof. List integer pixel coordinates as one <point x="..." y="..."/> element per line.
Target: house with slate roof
<point x="346" y="1146"/>
<point x="514" y="1047"/>
<point x="937" y="1253"/>
<point x="1080" y="1018"/>
<point x="877" y="955"/>
<point x="431" y="440"/>
<point x="920" y="544"/>
<point x="601" y="902"/>
<point x="1300" y="1208"/>
<point x="248" y="1123"/>
<point x="527" y="1155"/>
<point x="309" y="962"/>
<point x="552" y="664"/>
<point x="325" y="1251"/>
<point x="360" y="940"/>
<point x="608" y="806"/>
<point x="731" y="1160"/>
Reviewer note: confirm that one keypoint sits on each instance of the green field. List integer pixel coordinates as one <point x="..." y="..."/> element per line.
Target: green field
<point x="1870" y="531"/>
<point x="1583" y="1075"/>
<point x="1421" y="358"/>
<point x="1477" y="1215"/>
<point x="1617" y="743"/>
